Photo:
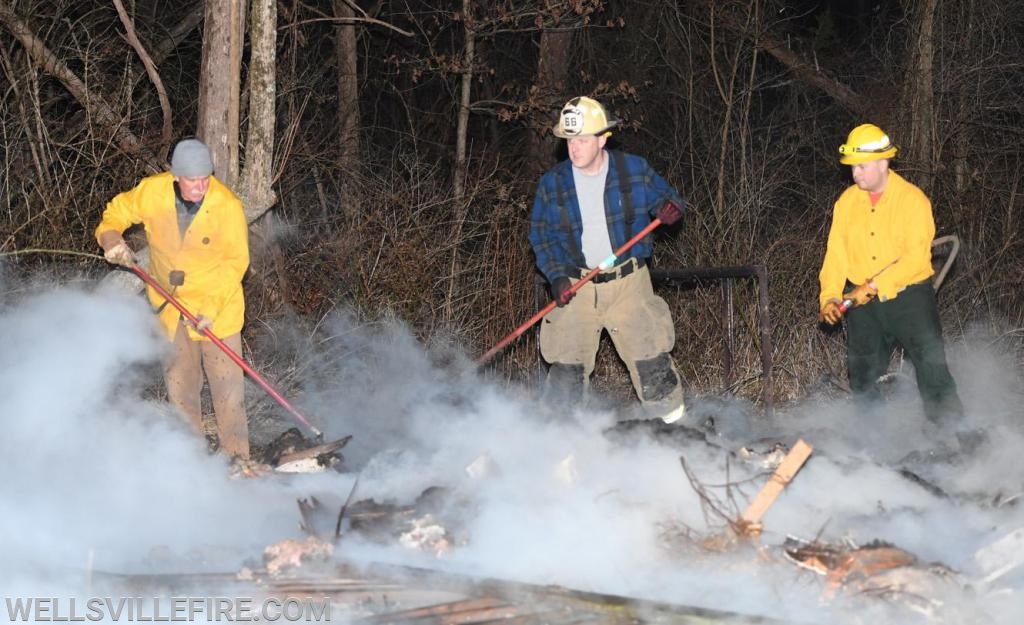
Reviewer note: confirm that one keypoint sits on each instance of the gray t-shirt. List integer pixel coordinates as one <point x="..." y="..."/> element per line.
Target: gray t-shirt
<point x="597" y="246"/>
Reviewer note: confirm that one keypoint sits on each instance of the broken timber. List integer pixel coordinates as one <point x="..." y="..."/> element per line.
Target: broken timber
<point x="750" y="522"/>
<point x="1002" y="556"/>
<point x="375" y="594"/>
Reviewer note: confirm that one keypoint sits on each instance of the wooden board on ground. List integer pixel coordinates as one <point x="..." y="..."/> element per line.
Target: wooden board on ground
<point x="1001" y="556"/>
<point x="785" y="472"/>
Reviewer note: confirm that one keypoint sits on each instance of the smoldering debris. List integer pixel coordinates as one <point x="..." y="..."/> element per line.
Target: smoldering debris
<point x="291" y="452"/>
<point x="290" y="553"/>
<point x="432" y="524"/>
<point x="875" y="576"/>
<point x="880" y="575"/>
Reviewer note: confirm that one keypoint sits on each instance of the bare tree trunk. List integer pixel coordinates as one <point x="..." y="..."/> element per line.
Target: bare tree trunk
<point x="219" y="85"/>
<point x="725" y="81"/>
<point x="552" y="71"/>
<point x="154" y="76"/>
<point x="32" y="125"/>
<point x="257" y="175"/>
<point x="749" y="90"/>
<point x="256" y="187"/>
<point x="458" y="201"/>
<point x="962" y="136"/>
<point x="919" y="90"/>
<point x="462" y="123"/>
<point x="348" y="86"/>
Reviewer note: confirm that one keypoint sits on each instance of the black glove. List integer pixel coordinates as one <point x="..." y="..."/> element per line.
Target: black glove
<point x="670" y="213"/>
<point x="560" y="291"/>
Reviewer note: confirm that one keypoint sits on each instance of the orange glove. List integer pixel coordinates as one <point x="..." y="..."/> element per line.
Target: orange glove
<point x="862" y="294"/>
<point x="830" y="312"/>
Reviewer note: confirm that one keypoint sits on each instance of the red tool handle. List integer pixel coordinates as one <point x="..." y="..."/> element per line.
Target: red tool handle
<point x="148" y="279"/>
<point x="551" y="305"/>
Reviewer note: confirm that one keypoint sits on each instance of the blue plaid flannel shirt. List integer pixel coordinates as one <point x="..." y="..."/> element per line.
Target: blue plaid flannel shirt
<point x="556" y="228"/>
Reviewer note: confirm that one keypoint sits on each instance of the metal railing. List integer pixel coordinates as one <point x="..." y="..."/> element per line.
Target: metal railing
<point x="727" y="276"/>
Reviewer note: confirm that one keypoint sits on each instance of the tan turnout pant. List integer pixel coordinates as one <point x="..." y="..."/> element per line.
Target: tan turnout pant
<point x="184" y="377"/>
<point x="639" y="324"/>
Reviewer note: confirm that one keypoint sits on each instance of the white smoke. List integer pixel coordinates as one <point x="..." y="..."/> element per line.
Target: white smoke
<point x="98" y="474"/>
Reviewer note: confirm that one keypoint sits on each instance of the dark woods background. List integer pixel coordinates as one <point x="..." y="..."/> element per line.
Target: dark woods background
<point x="391" y="202"/>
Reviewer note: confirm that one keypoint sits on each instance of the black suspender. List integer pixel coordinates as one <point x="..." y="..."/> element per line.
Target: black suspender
<point x="625" y="191"/>
<point x="563" y="208"/>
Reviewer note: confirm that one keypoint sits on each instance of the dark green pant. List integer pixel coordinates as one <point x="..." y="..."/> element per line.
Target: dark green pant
<point x="911" y="320"/>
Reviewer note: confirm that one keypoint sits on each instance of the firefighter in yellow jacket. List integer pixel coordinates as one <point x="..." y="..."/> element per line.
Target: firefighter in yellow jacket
<point x="199" y="251"/>
<point x="879" y="258"/>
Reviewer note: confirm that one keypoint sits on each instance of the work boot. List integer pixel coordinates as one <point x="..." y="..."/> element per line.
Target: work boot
<point x="564" y="384"/>
<point x="675" y="414"/>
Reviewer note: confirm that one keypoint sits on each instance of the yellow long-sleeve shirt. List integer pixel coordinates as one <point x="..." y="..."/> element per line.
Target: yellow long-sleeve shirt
<point x="213" y="252"/>
<point x="864" y="239"/>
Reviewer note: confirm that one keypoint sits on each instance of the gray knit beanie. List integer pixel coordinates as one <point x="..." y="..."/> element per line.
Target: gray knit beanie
<point x="191" y="159"/>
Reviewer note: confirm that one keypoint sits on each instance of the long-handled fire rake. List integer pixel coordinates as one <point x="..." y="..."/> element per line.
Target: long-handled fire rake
<point x="148" y="279"/>
<point x="604" y="264"/>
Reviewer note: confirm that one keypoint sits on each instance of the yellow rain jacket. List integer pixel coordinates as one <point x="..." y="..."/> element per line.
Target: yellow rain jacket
<point x="214" y="253"/>
<point x="865" y="238"/>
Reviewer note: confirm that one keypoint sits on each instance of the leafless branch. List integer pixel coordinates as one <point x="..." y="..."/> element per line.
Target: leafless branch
<point x="133" y="41"/>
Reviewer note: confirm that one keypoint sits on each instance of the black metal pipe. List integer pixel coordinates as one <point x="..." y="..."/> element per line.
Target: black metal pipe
<point x="696" y="275"/>
<point x="767" y="348"/>
<point x="728" y="346"/>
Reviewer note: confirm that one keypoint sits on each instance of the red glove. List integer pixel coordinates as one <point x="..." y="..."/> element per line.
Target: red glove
<point x="670" y="213"/>
<point x="560" y="291"/>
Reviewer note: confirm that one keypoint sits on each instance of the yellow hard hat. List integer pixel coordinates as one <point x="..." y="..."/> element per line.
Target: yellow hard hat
<point x="583" y="116"/>
<point x="866" y="142"/>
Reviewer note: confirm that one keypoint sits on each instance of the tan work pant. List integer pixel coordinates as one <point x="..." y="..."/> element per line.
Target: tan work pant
<point x="184" y="377"/>
<point x="639" y="324"/>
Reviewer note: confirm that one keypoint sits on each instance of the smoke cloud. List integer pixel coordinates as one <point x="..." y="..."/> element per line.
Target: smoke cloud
<point x="102" y="475"/>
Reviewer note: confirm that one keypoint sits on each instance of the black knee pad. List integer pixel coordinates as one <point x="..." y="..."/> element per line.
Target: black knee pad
<point x="657" y="379"/>
<point x="564" y="381"/>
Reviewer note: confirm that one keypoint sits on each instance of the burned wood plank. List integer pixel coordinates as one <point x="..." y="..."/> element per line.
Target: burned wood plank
<point x="476" y="610"/>
<point x="1001" y="556"/>
<point x="494" y="600"/>
<point x="785" y="472"/>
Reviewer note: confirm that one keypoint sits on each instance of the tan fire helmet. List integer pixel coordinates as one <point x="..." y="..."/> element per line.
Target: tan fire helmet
<point x="583" y="116"/>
